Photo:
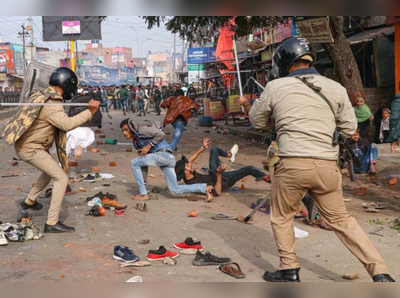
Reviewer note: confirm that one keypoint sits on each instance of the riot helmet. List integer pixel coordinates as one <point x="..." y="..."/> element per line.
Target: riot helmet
<point x="291" y="50"/>
<point x="273" y="74"/>
<point x="66" y="79"/>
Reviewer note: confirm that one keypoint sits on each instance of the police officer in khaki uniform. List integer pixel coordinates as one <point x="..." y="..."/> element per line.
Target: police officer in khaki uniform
<point x="305" y="124"/>
<point x="34" y="129"/>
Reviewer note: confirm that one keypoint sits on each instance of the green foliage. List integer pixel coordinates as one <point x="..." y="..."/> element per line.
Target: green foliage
<point x="193" y="28"/>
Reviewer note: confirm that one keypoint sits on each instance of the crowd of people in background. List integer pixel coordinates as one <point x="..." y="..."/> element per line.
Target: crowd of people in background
<point x="137" y="98"/>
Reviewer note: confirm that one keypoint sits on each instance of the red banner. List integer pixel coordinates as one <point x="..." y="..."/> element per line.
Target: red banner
<point x="224" y="51"/>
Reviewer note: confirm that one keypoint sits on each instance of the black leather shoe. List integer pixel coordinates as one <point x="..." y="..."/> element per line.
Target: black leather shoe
<point x="37" y="206"/>
<point x="58" y="228"/>
<point x="290" y="275"/>
<point x="383" y="278"/>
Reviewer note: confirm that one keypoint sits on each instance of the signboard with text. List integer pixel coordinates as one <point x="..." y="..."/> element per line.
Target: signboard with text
<point x="201" y="55"/>
<point x="316" y="30"/>
<point x="195" y="72"/>
<point x="71" y="27"/>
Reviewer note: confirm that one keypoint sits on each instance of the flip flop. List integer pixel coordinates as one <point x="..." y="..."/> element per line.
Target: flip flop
<point x="242" y="218"/>
<point x="223" y="217"/>
<point x="230" y="270"/>
<point x="236" y="190"/>
<point x="137" y="264"/>
<point x="377" y="206"/>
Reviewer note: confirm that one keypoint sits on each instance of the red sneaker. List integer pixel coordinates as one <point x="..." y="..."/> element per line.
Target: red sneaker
<point x="189" y="243"/>
<point x="160" y="254"/>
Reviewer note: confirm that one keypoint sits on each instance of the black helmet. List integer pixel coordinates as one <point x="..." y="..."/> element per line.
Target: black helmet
<point x="291" y="50"/>
<point x="66" y="79"/>
<point x="273" y="73"/>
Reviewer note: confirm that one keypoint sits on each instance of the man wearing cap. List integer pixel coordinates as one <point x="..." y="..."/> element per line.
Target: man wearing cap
<point x="307" y="109"/>
<point x="33" y="130"/>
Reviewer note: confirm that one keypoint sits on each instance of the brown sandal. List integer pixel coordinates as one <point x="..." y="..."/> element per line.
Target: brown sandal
<point x="228" y="269"/>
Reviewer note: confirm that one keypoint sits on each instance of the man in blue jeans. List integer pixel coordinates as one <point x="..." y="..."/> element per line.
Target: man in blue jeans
<point x="154" y="151"/>
<point x="179" y="111"/>
<point x="366" y="152"/>
<point x="217" y="177"/>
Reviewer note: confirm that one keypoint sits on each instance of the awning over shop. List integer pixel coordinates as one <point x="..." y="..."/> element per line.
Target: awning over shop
<point x="370" y="35"/>
<point x="17" y="76"/>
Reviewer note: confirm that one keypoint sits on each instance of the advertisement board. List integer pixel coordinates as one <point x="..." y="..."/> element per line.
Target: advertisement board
<point x="6" y="60"/>
<point x="117" y="50"/>
<point x="117" y="58"/>
<point x="195" y="72"/>
<point x="71" y="27"/>
<point x="201" y="55"/>
<point x="60" y="28"/>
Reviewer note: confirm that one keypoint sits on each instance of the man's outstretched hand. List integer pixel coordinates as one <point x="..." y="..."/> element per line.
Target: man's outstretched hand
<point x="144" y="150"/>
<point x="206" y="143"/>
<point x="94" y="106"/>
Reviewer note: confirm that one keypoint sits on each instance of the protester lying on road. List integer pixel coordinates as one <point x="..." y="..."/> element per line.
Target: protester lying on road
<point x="154" y="151"/>
<point x="217" y="177"/>
<point x="366" y="152"/>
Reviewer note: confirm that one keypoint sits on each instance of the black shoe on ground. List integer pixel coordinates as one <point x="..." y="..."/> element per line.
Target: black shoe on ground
<point x="208" y="259"/>
<point x="383" y="278"/>
<point x="58" y="228"/>
<point x="37" y="206"/>
<point x="290" y="275"/>
<point x="99" y="195"/>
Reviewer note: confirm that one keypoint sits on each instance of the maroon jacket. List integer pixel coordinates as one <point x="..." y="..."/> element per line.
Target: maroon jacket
<point x="176" y="106"/>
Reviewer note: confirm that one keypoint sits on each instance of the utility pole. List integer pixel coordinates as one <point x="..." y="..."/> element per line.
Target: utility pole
<point x="173" y="55"/>
<point x="31" y="35"/>
<point x="23" y="34"/>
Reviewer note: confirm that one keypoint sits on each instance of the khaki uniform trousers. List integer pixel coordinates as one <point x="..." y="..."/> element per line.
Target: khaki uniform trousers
<point x="43" y="161"/>
<point x="323" y="180"/>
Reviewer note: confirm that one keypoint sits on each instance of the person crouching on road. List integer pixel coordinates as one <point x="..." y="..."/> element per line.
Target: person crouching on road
<point x="178" y="114"/>
<point x="305" y="123"/>
<point x="366" y="152"/>
<point x="154" y="151"/>
<point x="33" y="137"/>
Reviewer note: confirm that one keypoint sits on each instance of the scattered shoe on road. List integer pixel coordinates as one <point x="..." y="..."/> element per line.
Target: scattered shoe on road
<point x="160" y="254"/>
<point x="208" y="259"/>
<point x="124" y="254"/>
<point x="189" y="243"/>
<point x="3" y="239"/>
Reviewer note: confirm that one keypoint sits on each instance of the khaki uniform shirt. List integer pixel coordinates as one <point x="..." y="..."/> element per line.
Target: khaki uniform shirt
<point x="40" y="135"/>
<point x="303" y="120"/>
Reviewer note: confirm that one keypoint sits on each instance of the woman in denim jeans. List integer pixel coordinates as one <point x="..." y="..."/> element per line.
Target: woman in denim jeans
<point x="154" y="151"/>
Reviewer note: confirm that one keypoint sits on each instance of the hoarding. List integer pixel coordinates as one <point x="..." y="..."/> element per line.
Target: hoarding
<point x="6" y="60"/>
<point x="71" y="27"/>
<point x="201" y="55"/>
<point x="54" y="29"/>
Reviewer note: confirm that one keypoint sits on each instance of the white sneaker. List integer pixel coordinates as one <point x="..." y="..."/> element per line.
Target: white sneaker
<point x="3" y="239"/>
<point x="233" y="151"/>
